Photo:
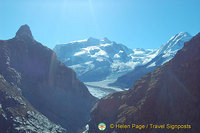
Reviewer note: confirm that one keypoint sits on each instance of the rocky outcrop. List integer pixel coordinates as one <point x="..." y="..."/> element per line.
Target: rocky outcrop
<point x="169" y="95"/>
<point x="49" y="86"/>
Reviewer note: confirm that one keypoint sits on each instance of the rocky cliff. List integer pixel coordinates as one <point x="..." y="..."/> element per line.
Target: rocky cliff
<point x="18" y="115"/>
<point x="46" y="83"/>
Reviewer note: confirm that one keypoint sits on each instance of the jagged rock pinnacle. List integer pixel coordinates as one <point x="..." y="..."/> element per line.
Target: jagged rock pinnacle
<point x="24" y="32"/>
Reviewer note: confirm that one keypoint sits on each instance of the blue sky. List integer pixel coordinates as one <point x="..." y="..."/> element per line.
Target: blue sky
<point x="134" y="23"/>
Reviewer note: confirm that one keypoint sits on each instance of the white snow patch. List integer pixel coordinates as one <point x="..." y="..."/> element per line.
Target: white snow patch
<point x="79" y="53"/>
<point x="101" y="52"/>
<point x="84" y="40"/>
<point x="89" y="62"/>
<point x="166" y="55"/>
<point x="99" y="59"/>
<point x="105" y="45"/>
<point x="90" y="48"/>
<point x="166" y="61"/>
<point x="116" y="56"/>
<point x="131" y="64"/>
<point x="153" y="55"/>
<point x="138" y="52"/>
<point x="75" y="66"/>
<point x="119" y="67"/>
<point x="151" y="65"/>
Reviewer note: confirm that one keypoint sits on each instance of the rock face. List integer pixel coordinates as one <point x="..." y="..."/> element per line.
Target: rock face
<point x="169" y="95"/>
<point x="17" y="115"/>
<point x="165" y="53"/>
<point x="46" y="83"/>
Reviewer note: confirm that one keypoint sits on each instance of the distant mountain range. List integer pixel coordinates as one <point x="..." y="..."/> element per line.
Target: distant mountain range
<point x="168" y="95"/>
<point x="165" y="53"/>
<point x="95" y="60"/>
<point x="38" y="93"/>
<point x="111" y="66"/>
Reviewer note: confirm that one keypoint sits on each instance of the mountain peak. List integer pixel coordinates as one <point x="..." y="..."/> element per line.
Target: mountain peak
<point x="91" y="39"/>
<point x="24" y="32"/>
<point x="184" y="34"/>
<point x="106" y="40"/>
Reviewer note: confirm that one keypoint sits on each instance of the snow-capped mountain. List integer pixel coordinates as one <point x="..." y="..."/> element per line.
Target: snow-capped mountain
<point x="106" y="66"/>
<point x="176" y="43"/>
<point x="94" y="59"/>
<point x="163" y="55"/>
<point x="100" y="62"/>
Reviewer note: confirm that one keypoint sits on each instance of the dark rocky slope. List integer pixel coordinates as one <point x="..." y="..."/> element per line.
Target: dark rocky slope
<point x="170" y="94"/>
<point x="17" y="115"/>
<point x="49" y="86"/>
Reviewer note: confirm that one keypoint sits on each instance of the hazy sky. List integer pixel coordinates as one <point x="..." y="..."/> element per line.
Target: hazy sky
<point x="134" y="23"/>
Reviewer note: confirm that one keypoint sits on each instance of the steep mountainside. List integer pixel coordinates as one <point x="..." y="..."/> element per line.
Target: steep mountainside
<point x="163" y="55"/>
<point x="17" y="115"/>
<point x="169" y="95"/>
<point x="46" y="83"/>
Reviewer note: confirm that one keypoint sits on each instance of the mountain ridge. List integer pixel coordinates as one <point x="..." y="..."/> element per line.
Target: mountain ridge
<point x="51" y="87"/>
<point x="99" y="62"/>
<point x="170" y="94"/>
<point x="164" y="54"/>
